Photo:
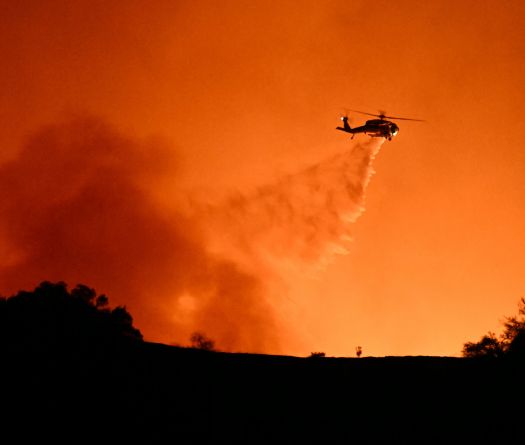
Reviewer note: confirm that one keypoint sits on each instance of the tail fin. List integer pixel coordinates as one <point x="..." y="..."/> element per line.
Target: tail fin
<point x="345" y="126"/>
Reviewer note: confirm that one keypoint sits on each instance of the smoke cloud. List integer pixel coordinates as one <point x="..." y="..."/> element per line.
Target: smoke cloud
<point x="79" y="204"/>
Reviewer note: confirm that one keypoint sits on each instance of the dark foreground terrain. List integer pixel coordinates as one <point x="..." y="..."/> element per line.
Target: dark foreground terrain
<point x="152" y="393"/>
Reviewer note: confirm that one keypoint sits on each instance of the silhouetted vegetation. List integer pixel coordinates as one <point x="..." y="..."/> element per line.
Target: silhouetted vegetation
<point x="52" y="317"/>
<point x="510" y="343"/>
<point x="358" y="351"/>
<point x="488" y="346"/>
<point x="200" y="341"/>
<point x="317" y="354"/>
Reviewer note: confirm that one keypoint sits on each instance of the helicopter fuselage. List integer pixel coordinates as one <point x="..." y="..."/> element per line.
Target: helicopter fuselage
<point x="376" y="128"/>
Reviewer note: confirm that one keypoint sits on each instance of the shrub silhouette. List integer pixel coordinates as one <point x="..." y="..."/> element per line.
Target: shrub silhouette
<point x="488" y="346"/>
<point x="200" y="341"/>
<point x="511" y="342"/>
<point x="51" y="317"/>
<point x="317" y="354"/>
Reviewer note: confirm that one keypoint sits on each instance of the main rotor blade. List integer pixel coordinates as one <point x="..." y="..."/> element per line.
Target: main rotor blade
<point x="383" y="116"/>
<point x="364" y="112"/>
<point x="404" y="118"/>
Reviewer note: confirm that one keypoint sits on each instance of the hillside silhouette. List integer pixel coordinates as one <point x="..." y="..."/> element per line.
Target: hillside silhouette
<point x="76" y="371"/>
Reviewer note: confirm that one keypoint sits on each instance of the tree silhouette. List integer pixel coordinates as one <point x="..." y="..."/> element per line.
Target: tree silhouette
<point x="50" y="317"/>
<point x="511" y="342"/>
<point x="513" y="336"/>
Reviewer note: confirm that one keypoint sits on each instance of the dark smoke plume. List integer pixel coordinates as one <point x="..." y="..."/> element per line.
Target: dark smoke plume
<point x="78" y="205"/>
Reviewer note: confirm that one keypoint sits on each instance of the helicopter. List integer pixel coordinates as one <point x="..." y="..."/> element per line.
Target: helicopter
<point x="376" y="128"/>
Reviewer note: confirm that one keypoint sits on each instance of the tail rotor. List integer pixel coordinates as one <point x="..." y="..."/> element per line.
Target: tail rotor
<point x="346" y="127"/>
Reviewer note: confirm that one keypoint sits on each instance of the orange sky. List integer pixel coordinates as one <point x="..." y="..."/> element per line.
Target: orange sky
<point x="242" y="93"/>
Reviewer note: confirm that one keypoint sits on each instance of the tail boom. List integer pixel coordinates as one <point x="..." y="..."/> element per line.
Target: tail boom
<point x="345" y="126"/>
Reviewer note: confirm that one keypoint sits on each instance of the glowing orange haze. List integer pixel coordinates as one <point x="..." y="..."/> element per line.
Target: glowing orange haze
<point x="181" y="157"/>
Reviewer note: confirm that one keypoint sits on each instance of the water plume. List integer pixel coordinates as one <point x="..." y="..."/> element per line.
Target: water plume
<point x="306" y="216"/>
